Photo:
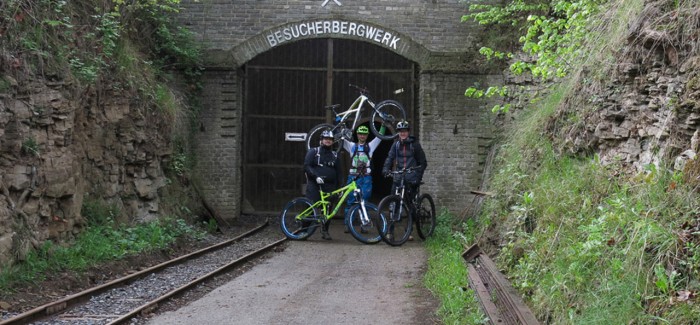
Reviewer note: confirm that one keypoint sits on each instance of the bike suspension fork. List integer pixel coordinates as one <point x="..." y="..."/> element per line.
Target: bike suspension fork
<point x="364" y="217"/>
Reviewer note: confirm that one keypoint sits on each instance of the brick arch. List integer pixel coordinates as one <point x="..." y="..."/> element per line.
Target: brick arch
<point x="328" y="28"/>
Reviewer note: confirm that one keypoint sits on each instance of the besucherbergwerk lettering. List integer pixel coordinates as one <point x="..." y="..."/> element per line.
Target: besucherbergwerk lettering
<point x="312" y="28"/>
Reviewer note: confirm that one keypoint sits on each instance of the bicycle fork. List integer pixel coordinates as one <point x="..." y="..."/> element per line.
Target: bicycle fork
<point x="364" y="216"/>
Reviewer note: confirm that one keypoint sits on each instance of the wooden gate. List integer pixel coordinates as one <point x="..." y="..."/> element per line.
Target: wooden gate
<point x="286" y="90"/>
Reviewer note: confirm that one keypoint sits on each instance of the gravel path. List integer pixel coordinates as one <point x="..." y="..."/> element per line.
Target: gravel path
<point x="321" y="282"/>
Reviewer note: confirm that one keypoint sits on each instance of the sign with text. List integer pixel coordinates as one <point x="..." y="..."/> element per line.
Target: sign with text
<point x="323" y="27"/>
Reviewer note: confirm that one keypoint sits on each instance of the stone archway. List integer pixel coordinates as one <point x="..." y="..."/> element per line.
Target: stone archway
<point x="341" y="28"/>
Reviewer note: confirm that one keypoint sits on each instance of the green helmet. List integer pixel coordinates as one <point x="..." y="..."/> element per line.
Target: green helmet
<point x="363" y="130"/>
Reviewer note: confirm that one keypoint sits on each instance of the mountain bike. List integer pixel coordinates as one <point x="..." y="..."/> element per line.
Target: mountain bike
<point x="300" y="217"/>
<point x="386" y="113"/>
<point x="401" y="212"/>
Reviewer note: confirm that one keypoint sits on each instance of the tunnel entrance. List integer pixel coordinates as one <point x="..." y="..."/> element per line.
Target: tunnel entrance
<point x="285" y="91"/>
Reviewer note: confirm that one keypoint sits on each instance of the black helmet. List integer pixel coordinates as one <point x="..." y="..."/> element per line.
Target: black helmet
<point x="402" y="125"/>
<point x="327" y="134"/>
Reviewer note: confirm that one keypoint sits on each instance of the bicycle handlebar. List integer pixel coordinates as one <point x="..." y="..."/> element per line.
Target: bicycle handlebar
<point x="362" y="90"/>
<point x="405" y="170"/>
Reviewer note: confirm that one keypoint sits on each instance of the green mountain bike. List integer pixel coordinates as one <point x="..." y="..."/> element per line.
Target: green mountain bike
<point x="300" y="217"/>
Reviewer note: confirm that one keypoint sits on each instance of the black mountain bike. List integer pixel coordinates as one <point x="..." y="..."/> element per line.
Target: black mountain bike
<point x="401" y="212"/>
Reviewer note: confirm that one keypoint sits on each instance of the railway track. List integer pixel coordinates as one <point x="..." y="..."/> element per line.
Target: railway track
<point x="123" y="299"/>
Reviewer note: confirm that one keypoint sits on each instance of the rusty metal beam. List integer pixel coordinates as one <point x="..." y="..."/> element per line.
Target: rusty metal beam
<point x="498" y="299"/>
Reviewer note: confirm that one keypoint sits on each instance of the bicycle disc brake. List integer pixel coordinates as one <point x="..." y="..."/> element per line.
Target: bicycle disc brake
<point x="346" y="134"/>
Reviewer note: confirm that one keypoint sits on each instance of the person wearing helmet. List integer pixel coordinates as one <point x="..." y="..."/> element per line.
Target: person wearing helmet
<point x="360" y="169"/>
<point x="406" y="152"/>
<point x="322" y="170"/>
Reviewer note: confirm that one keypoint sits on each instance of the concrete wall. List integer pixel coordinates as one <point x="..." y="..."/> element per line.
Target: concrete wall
<point x="454" y="130"/>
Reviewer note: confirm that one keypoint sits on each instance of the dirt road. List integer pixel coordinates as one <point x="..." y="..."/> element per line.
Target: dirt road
<point x="322" y="282"/>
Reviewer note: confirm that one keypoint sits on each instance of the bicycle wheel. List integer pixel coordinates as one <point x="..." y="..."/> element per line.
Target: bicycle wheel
<point x="398" y="220"/>
<point x="313" y="138"/>
<point x="367" y="229"/>
<point x="387" y="113"/>
<point x="425" y="216"/>
<point x="299" y="219"/>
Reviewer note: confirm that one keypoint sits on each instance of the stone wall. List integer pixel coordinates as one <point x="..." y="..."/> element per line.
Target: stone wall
<point x="218" y="142"/>
<point x="647" y="109"/>
<point x="455" y="131"/>
<point x="224" y="25"/>
<point x="60" y="147"/>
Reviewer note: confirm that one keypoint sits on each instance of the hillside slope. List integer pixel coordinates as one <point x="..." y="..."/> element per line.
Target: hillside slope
<point x="595" y="213"/>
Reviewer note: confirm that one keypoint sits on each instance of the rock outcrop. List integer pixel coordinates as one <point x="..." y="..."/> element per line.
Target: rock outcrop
<point x="61" y="145"/>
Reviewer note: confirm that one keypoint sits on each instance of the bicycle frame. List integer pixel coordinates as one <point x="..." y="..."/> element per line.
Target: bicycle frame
<point x="324" y="203"/>
<point x="401" y="191"/>
<point x="356" y="108"/>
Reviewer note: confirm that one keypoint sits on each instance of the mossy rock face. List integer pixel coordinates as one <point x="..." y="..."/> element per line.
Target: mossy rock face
<point x="693" y="84"/>
<point x="691" y="173"/>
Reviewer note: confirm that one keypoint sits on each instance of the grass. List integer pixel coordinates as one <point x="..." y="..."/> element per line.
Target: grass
<point x="580" y="240"/>
<point x="97" y="244"/>
<point x="447" y="276"/>
<point x="588" y="245"/>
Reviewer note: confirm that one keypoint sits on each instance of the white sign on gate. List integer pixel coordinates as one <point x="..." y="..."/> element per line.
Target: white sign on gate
<point x="290" y="136"/>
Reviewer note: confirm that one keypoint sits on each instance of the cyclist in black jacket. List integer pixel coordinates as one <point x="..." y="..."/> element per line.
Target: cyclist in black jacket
<point x="322" y="169"/>
<point x="406" y="152"/>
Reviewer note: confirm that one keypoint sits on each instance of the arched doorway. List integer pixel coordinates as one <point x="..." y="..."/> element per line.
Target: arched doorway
<point x="285" y="91"/>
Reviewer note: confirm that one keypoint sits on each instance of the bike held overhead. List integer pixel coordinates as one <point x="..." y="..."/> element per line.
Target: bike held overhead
<point x="383" y="114"/>
<point x="360" y="163"/>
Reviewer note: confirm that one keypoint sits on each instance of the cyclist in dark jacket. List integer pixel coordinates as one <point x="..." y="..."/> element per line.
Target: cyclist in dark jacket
<point x="406" y="152"/>
<point x="322" y="169"/>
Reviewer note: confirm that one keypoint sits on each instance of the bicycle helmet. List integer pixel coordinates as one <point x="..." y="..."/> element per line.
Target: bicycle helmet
<point x="363" y="130"/>
<point x="327" y="134"/>
<point x="402" y="125"/>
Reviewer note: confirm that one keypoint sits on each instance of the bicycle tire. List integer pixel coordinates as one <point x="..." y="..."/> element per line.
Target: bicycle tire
<point x="313" y="137"/>
<point x="371" y="231"/>
<point x="398" y="221"/>
<point x="298" y="229"/>
<point x="387" y="113"/>
<point x="425" y="216"/>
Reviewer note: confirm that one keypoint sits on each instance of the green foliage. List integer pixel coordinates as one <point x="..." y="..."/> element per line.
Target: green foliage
<point x="212" y="225"/>
<point x="99" y="213"/>
<point x="515" y="12"/>
<point x="586" y="245"/>
<point x="85" y="36"/>
<point x="95" y="245"/>
<point x="554" y="34"/>
<point x="447" y="275"/>
<point x="181" y="162"/>
<point x="475" y="92"/>
<point x="5" y="84"/>
<point x="30" y="147"/>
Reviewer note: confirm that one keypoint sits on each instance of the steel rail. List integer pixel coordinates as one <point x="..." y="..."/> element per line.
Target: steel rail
<point x="74" y="299"/>
<point x="154" y="303"/>
<point x="499" y="300"/>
